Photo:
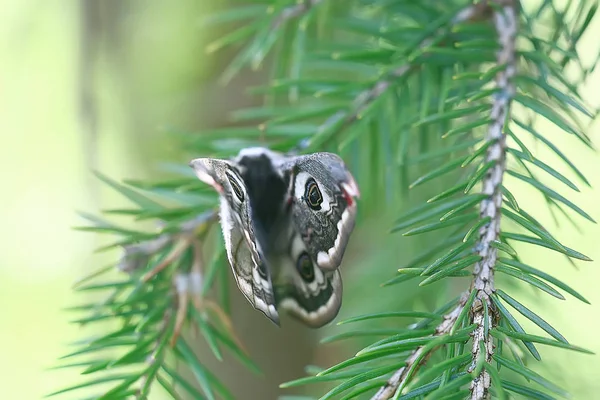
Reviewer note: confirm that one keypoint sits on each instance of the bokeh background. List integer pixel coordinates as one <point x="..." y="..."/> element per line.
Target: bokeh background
<point x="90" y="85"/>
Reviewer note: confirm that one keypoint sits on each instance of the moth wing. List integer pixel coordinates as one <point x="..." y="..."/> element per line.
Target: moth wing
<point x="326" y="229"/>
<point x="244" y="252"/>
<point x="304" y="290"/>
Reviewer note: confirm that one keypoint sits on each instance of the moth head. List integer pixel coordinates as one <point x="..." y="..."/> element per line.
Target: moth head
<point x="257" y="152"/>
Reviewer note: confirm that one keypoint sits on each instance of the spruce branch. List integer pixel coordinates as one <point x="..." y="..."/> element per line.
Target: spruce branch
<point x="505" y="22"/>
<point x="156" y="357"/>
<point x="420" y="355"/>
<point x="343" y="118"/>
<point x="472" y="12"/>
<point x="137" y="255"/>
<point x="165" y="273"/>
<point x="436" y="78"/>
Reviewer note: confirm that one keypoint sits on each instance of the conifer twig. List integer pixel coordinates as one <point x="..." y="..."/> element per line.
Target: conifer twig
<point x="156" y="356"/>
<point x="505" y="22"/>
<point x="472" y="12"/>
<point x="137" y="255"/>
<point x="417" y="356"/>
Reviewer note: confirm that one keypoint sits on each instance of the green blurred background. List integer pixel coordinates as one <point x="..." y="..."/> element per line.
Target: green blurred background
<point x="94" y="85"/>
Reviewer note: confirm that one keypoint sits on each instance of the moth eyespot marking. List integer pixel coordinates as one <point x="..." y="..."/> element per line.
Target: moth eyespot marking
<point x="304" y="266"/>
<point x="236" y="188"/>
<point x="262" y="270"/>
<point x="313" y="195"/>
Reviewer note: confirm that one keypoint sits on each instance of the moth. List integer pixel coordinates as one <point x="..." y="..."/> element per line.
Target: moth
<point x="286" y="221"/>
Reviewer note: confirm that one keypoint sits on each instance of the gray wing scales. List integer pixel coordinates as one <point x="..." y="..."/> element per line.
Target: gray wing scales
<point x="248" y="266"/>
<point x="243" y="250"/>
<point x="324" y="227"/>
<point x="317" y="310"/>
<point x="302" y="289"/>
